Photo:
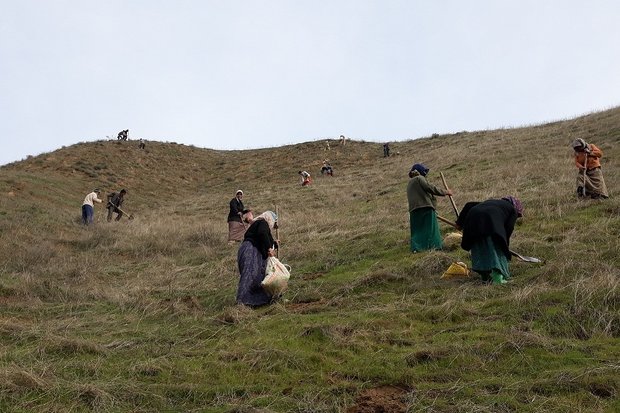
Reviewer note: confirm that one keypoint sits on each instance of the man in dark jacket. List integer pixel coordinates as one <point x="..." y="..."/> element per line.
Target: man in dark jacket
<point x="115" y="201"/>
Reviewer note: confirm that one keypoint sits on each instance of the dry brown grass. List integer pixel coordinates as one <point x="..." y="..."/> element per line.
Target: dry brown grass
<point x="139" y="315"/>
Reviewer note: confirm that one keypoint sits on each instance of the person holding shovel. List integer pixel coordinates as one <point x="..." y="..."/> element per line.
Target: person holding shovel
<point x="258" y="244"/>
<point x="422" y="216"/>
<point x="237" y="218"/>
<point x="590" y="182"/>
<point x="487" y="227"/>
<point x="115" y="201"/>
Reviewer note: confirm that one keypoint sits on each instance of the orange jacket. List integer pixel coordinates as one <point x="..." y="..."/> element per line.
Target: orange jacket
<point x="593" y="157"/>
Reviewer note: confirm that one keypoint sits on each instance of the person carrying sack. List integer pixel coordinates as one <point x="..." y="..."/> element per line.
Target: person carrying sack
<point x="257" y="246"/>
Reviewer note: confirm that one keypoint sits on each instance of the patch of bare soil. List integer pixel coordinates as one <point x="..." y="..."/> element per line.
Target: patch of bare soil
<point x="383" y="399"/>
<point x="306" y="307"/>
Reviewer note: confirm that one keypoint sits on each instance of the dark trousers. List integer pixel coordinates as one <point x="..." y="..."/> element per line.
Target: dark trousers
<point x="88" y="214"/>
<point x="111" y="210"/>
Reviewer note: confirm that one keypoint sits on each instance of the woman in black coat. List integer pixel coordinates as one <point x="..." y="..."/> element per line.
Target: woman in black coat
<point x="487" y="227"/>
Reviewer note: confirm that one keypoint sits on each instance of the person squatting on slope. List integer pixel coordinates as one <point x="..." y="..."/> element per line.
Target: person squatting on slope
<point x="327" y="168"/>
<point x="590" y="182"/>
<point x="487" y="227"/>
<point x="88" y="206"/>
<point x="422" y="216"/>
<point x="115" y="201"/>
<point x="258" y="244"/>
<point x="305" y="178"/>
<point x="237" y="217"/>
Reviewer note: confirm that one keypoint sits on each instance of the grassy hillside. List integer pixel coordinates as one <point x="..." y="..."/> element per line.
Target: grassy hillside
<point x="140" y="315"/>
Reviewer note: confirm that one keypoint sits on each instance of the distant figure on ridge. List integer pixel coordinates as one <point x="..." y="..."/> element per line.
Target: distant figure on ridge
<point x="590" y="182"/>
<point x="141" y="145"/>
<point x="422" y="216"/>
<point x="306" y="179"/>
<point x="487" y="227"/>
<point x="237" y="217"/>
<point x="88" y="206"/>
<point x="386" y="150"/>
<point x="115" y="201"/>
<point x="122" y="135"/>
<point x="343" y="140"/>
<point x="258" y="244"/>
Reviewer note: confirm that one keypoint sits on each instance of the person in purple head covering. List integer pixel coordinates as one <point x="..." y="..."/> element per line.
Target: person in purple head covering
<point x="487" y="227"/>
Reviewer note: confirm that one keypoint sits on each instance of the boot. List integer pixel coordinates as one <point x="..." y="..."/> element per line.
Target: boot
<point x="497" y="277"/>
<point x="580" y="191"/>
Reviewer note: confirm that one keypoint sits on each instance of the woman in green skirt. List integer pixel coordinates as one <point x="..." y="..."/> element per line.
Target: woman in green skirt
<point x="487" y="227"/>
<point x="422" y="217"/>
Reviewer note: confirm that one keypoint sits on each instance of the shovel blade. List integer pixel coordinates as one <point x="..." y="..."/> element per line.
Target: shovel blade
<point x="525" y="258"/>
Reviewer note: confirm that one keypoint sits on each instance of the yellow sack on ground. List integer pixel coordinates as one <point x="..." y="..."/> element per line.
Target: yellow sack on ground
<point x="456" y="269"/>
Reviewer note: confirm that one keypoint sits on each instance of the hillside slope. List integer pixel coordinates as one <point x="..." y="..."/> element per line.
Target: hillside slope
<point x="140" y="316"/>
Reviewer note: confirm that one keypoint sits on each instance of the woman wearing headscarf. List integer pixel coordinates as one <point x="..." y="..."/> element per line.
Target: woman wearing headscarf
<point x="236" y="225"/>
<point x="487" y="227"/>
<point x="258" y="244"/>
<point x="589" y="182"/>
<point x="422" y="203"/>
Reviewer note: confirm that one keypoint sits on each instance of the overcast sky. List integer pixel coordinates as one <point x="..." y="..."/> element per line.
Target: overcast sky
<point x="240" y="74"/>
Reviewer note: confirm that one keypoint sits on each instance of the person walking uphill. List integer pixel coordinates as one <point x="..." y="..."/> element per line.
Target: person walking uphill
<point x="258" y="244"/>
<point x="422" y="203"/>
<point x="590" y="180"/>
<point x="487" y="227"/>
<point x="115" y="201"/>
<point x="88" y="206"/>
<point x="236" y="218"/>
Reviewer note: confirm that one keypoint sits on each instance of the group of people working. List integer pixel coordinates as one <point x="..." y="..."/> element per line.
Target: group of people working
<point x="115" y="201"/>
<point x="488" y="225"/>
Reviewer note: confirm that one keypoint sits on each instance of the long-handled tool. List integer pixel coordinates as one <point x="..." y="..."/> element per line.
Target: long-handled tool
<point x="443" y="179"/>
<point x="129" y="216"/>
<point x="519" y="256"/>
<point x="585" y="170"/>
<point x="277" y="234"/>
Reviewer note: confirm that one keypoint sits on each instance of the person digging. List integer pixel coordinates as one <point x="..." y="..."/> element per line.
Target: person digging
<point x="590" y="182"/>
<point x="115" y="201"/>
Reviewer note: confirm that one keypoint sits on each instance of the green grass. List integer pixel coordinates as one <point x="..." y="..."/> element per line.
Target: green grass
<point x="140" y="315"/>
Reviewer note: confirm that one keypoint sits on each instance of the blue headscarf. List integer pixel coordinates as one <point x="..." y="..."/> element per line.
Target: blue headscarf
<point x="423" y="170"/>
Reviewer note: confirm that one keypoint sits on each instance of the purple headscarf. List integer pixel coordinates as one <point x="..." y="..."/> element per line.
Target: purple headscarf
<point x="515" y="203"/>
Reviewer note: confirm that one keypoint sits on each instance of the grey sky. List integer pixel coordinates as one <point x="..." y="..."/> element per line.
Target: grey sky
<point x="247" y="74"/>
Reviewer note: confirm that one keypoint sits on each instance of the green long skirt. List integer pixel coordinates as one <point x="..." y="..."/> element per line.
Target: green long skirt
<point x="488" y="257"/>
<point x="424" y="230"/>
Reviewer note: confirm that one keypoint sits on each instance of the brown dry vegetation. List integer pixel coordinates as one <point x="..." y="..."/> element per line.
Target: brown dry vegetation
<point x="140" y="316"/>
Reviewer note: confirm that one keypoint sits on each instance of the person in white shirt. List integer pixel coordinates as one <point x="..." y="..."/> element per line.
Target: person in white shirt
<point x="88" y="207"/>
<point x="305" y="178"/>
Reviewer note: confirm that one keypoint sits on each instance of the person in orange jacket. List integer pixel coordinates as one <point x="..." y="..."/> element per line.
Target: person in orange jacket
<point x="590" y="182"/>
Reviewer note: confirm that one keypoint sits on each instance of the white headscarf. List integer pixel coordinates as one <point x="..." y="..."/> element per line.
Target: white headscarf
<point x="270" y="217"/>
